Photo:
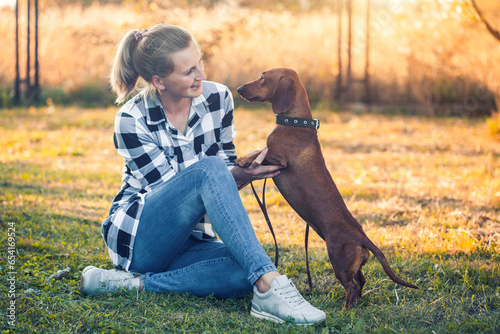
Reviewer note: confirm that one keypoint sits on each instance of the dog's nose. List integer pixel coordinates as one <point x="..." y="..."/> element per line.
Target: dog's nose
<point x="239" y="89"/>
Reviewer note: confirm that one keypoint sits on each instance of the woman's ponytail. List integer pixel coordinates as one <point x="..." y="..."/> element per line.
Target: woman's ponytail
<point x="123" y="76"/>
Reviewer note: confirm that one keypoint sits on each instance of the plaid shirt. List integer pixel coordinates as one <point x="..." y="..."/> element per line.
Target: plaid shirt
<point x="154" y="151"/>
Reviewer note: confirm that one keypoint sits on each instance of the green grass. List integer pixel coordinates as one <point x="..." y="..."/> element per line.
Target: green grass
<point x="429" y="201"/>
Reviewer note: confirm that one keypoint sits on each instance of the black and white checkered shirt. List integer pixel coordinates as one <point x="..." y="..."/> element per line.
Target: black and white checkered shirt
<point x="154" y="151"/>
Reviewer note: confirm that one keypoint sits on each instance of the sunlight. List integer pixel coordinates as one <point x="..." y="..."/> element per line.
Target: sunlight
<point x="429" y="53"/>
<point x="7" y="3"/>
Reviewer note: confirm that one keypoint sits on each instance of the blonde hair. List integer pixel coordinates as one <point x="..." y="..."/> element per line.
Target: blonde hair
<point x="145" y="57"/>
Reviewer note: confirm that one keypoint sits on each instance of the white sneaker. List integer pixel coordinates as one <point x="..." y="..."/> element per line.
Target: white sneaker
<point x="283" y="301"/>
<point x="97" y="281"/>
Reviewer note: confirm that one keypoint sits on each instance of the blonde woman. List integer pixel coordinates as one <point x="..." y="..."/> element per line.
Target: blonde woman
<point x="177" y="223"/>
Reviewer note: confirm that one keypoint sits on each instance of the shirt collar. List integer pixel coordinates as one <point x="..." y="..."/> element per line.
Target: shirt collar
<point x="155" y="114"/>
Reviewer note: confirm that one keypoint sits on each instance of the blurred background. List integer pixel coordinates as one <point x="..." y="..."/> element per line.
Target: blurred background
<point x="432" y="57"/>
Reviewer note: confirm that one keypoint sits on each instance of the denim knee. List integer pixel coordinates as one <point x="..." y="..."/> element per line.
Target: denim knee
<point x="214" y="163"/>
<point x="216" y="168"/>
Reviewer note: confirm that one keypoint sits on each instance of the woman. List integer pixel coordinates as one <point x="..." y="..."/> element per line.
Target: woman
<point x="180" y="186"/>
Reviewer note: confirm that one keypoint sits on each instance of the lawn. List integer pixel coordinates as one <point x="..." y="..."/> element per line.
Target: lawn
<point x="426" y="190"/>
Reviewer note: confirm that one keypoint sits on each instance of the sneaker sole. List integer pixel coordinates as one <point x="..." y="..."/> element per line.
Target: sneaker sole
<point x="266" y="316"/>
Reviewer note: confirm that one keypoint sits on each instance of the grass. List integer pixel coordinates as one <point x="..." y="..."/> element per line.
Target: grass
<point x="427" y="191"/>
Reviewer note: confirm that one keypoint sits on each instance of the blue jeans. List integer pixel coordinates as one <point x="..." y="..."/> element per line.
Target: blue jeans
<point x="169" y="259"/>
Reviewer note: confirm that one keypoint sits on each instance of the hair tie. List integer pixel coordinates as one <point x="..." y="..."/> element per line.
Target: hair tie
<point x="138" y="34"/>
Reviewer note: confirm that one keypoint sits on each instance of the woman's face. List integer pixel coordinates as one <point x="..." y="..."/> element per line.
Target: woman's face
<point x="185" y="80"/>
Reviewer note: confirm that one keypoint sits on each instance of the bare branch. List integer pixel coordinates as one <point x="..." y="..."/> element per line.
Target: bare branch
<point x="493" y="32"/>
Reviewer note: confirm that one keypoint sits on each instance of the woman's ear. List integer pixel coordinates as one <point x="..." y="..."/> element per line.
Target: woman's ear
<point x="158" y="82"/>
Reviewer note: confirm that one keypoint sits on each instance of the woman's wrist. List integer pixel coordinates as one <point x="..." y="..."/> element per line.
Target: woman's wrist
<point x="239" y="177"/>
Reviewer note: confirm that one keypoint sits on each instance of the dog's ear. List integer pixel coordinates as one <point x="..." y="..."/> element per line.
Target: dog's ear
<point x="284" y="95"/>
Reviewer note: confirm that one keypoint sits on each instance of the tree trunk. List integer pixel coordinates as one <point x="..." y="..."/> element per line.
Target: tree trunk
<point x="367" y="55"/>
<point x="17" y="80"/>
<point x="338" y="93"/>
<point x="349" y="50"/>
<point x="28" y="60"/>
<point x="36" y="88"/>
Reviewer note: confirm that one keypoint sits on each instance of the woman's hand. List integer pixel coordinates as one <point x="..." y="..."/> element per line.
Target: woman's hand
<point x="255" y="171"/>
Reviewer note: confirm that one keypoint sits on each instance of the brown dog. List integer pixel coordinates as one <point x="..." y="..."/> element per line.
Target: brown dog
<point x="305" y="182"/>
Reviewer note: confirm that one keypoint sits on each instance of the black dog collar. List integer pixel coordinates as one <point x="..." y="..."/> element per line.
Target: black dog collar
<point x="297" y="121"/>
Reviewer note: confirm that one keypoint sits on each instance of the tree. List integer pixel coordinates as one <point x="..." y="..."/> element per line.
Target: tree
<point x="367" y="55"/>
<point x="28" y="60"/>
<point x="17" y="82"/>
<point x="36" y="87"/>
<point x="338" y="93"/>
<point x="31" y="90"/>
<point x="496" y="34"/>
<point x="344" y="93"/>
<point x="349" y="51"/>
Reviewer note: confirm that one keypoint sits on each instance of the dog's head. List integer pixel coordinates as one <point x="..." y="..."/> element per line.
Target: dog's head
<point x="278" y="86"/>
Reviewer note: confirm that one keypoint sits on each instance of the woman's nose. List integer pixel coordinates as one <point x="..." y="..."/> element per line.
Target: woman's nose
<point x="201" y="75"/>
<point x="201" y="72"/>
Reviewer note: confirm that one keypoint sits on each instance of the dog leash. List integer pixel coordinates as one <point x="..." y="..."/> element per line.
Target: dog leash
<point x="263" y="208"/>
<point x="309" y="279"/>
<point x="262" y="205"/>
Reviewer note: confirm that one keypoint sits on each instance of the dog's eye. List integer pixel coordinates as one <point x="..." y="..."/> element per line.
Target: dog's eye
<point x="262" y="78"/>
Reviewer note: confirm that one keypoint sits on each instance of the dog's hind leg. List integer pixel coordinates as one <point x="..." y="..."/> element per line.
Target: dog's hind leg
<point x="347" y="259"/>
<point x="359" y="277"/>
<point x="361" y="280"/>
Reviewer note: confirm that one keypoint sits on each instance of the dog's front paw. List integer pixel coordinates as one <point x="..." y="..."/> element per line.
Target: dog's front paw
<point x="243" y="162"/>
<point x="247" y="160"/>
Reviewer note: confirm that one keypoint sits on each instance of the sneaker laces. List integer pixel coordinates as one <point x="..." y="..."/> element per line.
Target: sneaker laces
<point x="291" y="295"/>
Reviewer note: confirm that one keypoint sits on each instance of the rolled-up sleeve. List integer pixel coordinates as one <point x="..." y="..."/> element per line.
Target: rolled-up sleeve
<point x="228" y="131"/>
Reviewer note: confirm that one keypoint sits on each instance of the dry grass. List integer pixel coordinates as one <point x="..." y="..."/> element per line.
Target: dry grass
<point x="433" y="53"/>
<point x="416" y="184"/>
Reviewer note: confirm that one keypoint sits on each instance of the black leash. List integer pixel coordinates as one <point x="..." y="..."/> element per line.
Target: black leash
<point x="263" y="208"/>
<point x="309" y="279"/>
<point x="262" y="205"/>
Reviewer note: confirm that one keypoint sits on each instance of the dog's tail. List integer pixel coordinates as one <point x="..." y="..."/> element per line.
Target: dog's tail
<point x="385" y="264"/>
